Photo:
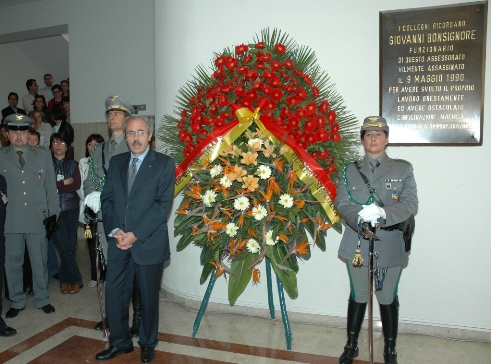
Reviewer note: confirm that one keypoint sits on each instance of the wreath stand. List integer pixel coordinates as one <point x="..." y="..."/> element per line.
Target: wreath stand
<point x="284" y="314"/>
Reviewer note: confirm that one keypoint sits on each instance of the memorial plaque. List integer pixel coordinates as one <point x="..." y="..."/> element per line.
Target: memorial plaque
<point x="432" y="74"/>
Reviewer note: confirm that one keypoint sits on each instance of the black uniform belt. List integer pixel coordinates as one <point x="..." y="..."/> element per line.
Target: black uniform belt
<point x="393" y="227"/>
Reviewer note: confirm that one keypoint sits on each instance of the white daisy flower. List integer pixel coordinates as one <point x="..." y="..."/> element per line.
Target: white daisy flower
<point x="264" y="172"/>
<point x="253" y="246"/>
<point x="253" y="141"/>
<point x="269" y="238"/>
<point x="241" y="203"/>
<point x="225" y="181"/>
<point x="286" y="200"/>
<point x="231" y="229"/>
<point x="216" y="170"/>
<point x="259" y="212"/>
<point x="208" y="198"/>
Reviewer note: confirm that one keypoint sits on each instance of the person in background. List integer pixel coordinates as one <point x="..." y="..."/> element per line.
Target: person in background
<point x="55" y="102"/>
<point x="40" y="105"/>
<point x="394" y="200"/>
<point x="34" y="137"/>
<point x="65" y="237"/>
<point x="46" y="90"/>
<point x="32" y="91"/>
<point x="62" y="127"/>
<point x="90" y="143"/>
<point x="66" y="106"/>
<point x="65" y="88"/>
<point x="117" y="110"/>
<point x="13" y="99"/>
<point x="4" y="136"/>
<point x="4" y="329"/>
<point x="31" y="200"/>
<point x="40" y="125"/>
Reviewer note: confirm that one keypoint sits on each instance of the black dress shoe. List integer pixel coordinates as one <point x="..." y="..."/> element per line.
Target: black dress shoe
<point x="8" y="331"/>
<point x="99" y="326"/>
<point x="111" y="352"/>
<point x="147" y="355"/>
<point x="48" y="308"/>
<point x="13" y="312"/>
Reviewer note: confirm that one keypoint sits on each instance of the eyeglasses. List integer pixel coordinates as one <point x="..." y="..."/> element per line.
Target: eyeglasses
<point x="56" y="91"/>
<point x="59" y="143"/>
<point x="132" y="134"/>
<point x="377" y="135"/>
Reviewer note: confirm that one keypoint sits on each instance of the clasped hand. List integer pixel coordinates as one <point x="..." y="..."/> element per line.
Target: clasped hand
<point x="371" y="213"/>
<point x="124" y="241"/>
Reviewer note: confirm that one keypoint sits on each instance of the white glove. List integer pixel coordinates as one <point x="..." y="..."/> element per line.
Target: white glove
<point x="93" y="200"/>
<point x="371" y="212"/>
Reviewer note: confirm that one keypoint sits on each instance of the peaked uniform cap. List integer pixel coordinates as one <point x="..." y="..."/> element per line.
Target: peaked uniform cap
<point x="17" y="122"/>
<point x="115" y="102"/>
<point x="375" y="123"/>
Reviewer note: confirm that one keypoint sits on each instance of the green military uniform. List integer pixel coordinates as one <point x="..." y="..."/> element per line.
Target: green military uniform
<point x="32" y="197"/>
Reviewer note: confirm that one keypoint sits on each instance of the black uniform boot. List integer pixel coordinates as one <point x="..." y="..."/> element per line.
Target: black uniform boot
<point x="356" y="314"/>
<point x="390" y="318"/>
<point x="137" y="309"/>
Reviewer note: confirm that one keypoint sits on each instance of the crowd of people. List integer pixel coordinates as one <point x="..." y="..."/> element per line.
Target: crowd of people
<point x="38" y="161"/>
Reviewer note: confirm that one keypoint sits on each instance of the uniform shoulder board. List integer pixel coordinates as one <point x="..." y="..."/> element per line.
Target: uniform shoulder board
<point x="401" y="160"/>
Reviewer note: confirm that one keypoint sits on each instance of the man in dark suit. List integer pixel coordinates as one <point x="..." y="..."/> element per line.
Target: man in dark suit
<point x="4" y="329"/>
<point x="12" y="108"/>
<point x="136" y="200"/>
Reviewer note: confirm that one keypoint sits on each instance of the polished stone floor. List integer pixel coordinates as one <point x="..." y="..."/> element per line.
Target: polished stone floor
<point x="66" y="336"/>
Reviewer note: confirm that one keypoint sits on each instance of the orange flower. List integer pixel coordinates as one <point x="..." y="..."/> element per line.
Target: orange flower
<point x="274" y="186"/>
<point x="231" y="150"/>
<point x="268" y="151"/>
<point x="237" y="174"/>
<point x="196" y="192"/>
<point x="249" y="158"/>
<point x="256" y="276"/>
<point x="251" y="183"/>
<point x="292" y="178"/>
<point x="252" y="232"/>
<point x="300" y="203"/>
<point x="303" y="248"/>
<point x="219" y="269"/>
<point x="183" y="209"/>
<point x="278" y="162"/>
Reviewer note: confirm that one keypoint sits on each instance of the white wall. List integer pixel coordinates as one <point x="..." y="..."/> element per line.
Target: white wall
<point x="447" y="280"/>
<point x="111" y="49"/>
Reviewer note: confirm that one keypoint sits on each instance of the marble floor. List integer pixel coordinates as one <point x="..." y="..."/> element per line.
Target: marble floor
<point x="67" y="336"/>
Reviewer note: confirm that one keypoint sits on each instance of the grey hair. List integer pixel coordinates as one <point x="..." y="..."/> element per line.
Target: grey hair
<point x="150" y="123"/>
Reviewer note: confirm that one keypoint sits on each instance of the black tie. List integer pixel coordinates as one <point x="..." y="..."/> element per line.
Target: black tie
<point x="132" y="174"/>
<point x="374" y="164"/>
<point x="22" y="161"/>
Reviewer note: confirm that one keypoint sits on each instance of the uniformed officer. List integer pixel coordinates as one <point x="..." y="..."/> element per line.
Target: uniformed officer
<point x="394" y="185"/>
<point x="32" y="197"/>
<point x="117" y="110"/>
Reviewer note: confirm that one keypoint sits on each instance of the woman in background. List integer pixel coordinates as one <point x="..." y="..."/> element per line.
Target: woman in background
<point x="68" y="181"/>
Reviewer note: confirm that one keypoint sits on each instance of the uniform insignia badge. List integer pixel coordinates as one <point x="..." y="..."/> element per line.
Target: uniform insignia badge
<point x="395" y="196"/>
<point x="4" y="198"/>
<point x="388" y="185"/>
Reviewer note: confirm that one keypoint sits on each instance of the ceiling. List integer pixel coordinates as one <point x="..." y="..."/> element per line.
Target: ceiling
<point x="8" y="3"/>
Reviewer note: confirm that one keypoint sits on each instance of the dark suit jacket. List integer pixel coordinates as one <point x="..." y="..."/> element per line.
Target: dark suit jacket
<point x="9" y="111"/>
<point x="3" y="215"/>
<point x="144" y="210"/>
<point x="67" y="131"/>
